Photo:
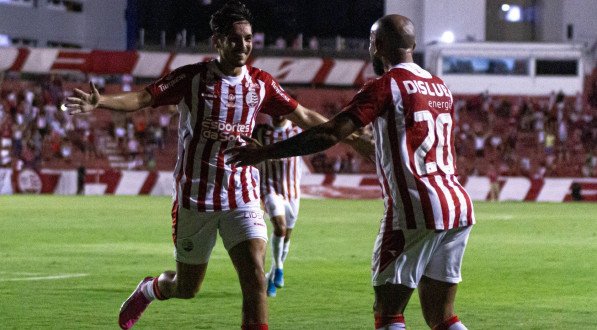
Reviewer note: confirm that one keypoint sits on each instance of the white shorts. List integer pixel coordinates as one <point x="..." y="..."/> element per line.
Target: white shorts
<point x="404" y="256"/>
<point x="194" y="233"/>
<point x="276" y="205"/>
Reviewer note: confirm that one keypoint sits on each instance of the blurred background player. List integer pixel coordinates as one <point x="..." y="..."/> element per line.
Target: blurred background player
<point x="218" y="101"/>
<point x="280" y="192"/>
<point x="428" y="214"/>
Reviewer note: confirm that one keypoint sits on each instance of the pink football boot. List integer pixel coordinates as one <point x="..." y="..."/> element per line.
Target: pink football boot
<point x="133" y="307"/>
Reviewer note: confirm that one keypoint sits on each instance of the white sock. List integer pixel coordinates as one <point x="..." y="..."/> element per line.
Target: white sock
<point x="277" y="248"/>
<point x="147" y="290"/>
<point x="457" y="326"/>
<point x="394" y="326"/>
<point x="285" y="250"/>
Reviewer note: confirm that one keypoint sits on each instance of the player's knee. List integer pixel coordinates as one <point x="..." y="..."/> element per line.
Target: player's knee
<point x="280" y="231"/>
<point x="254" y="280"/>
<point x="186" y="294"/>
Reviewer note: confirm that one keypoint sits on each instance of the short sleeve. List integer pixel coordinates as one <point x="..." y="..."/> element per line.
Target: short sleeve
<point x="277" y="102"/>
<point x="170" y="88"/>
<point x="368" y="103"/>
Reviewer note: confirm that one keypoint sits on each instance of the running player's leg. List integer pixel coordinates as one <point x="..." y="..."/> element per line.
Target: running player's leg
<point x="184" y="283"/>
<point x="400" y="259"/>
<point x="438" y="286"/>
<point x="194" y="235"/>
<point x="286" y="247"/>
<point x="244" y="235"/>
<point x="292" y="208"/>
<point x="247" y="258"/>
<point x="278" y="239"/>
<point x="437" y="301"/>
<point x="276" y="206"/>
<point x="389" y="305"/>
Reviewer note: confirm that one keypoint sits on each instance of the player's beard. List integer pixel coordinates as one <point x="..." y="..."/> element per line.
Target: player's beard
<point x="378" y="66"/>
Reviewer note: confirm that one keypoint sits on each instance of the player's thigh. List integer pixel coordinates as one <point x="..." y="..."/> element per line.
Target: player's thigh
<point x="400" y="257"/>
<point x="241" y="225"/>
<point x="446" y="261"/>
<point x="274" y="205"/>
<point x="195" y="235"/>
<point x="247" y="257"/>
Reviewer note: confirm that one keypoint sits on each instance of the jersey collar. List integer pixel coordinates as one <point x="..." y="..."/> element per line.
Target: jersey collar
<point x="414" y="68"/>
<point x="230" y="80"/>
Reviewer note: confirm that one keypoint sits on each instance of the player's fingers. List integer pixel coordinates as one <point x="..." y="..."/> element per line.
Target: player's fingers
<point x="230" y="155"/>
<point x="74" y="100"/>
<point x="80" y="92"/>
<point x="93" y="89"/>
<point x="73" y="109"/>
<point x="250" y="139"/>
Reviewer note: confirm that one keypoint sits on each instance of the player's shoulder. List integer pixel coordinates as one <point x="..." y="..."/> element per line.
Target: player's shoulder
<point x="193" y="68"/>
<point x="377" y="85"/>
<point x="259" y="74"/>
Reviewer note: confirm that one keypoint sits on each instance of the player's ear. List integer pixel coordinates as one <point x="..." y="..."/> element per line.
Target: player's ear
<point x="378" y="47"/>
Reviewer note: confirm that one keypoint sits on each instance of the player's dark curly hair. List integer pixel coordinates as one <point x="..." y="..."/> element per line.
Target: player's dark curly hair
<point x="233" y="11"/>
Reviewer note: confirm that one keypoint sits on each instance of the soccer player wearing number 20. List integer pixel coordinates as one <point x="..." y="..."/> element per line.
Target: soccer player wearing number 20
<point x="428" y="215"/>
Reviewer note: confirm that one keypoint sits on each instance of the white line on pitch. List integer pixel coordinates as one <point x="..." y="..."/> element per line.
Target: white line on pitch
<point x="43" y="278"/>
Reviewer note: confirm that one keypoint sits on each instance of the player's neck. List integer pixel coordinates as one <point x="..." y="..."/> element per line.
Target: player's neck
<point x="229" y="70"/>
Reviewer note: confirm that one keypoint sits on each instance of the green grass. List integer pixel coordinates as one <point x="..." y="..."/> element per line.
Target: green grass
<point x="528" y="266"/>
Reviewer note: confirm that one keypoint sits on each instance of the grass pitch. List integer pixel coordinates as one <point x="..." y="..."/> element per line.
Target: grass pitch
<point x="69" y="262"/>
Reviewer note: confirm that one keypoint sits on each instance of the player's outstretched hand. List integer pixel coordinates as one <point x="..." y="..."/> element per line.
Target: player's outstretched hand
<point x="250" y="154"/>
<point x="364" y="145"/>
<point x="83" y="102"/>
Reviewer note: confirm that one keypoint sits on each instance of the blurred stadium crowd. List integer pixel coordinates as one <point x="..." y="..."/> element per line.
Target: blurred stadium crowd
<point x="550" y="136"/>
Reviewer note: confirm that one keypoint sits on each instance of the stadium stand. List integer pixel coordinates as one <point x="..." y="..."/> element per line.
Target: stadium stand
<point x="536" y="137"/>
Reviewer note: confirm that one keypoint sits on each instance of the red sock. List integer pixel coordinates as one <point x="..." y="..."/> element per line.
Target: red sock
<point x="254" y="327"/>
<point x="447" y="323"/>
<point x="156" y="290"/>
<point x="383" y="320"/>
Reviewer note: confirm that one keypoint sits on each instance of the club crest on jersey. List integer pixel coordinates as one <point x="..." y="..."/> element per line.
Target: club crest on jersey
<point x="252" y="98"/>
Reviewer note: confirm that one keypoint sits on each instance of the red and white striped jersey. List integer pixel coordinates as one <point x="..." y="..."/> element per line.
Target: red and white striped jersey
<point x="412" y="114"/>
<point x="280" y="176"/>
<point x="215" y="110"/>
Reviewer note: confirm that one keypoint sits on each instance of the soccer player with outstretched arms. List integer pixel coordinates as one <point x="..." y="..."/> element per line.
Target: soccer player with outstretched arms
<point x="217" y="101"/>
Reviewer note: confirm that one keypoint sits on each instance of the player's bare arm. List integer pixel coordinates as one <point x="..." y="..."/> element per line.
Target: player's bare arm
<point x="315" y="139"/>
<point x="84" y="102"/>
<point x="306" y="118"/>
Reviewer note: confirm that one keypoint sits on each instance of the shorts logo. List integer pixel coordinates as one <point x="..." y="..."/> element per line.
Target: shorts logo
<point x="253" y="215"/>
<point x="187" y="245"/>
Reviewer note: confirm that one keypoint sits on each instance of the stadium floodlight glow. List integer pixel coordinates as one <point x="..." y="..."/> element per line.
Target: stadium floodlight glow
<point x="514" y="14"/>
<point x="447" y="37"/>
<point x="505" y="7"/>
